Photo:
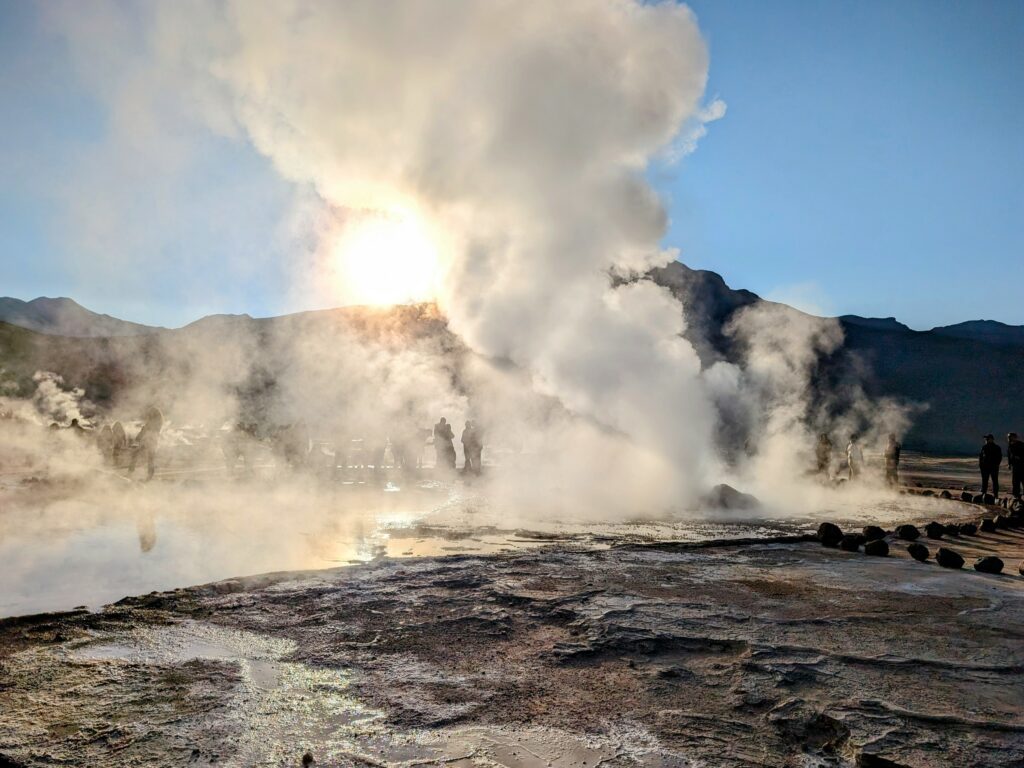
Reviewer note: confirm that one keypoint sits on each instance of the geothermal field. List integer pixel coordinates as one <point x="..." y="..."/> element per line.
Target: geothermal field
<point x="393" y="429"/>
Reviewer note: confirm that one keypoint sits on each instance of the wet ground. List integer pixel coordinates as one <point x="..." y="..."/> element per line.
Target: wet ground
<point x="95" y="537"/>
<point x="463" y="636"/>
<point x="785" y="654"/>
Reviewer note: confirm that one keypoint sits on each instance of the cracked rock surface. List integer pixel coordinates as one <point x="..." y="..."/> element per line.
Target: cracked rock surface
<point x="758" y="655"/>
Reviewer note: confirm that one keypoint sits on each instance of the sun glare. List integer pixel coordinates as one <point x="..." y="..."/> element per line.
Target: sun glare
<point x="386" y="259"/>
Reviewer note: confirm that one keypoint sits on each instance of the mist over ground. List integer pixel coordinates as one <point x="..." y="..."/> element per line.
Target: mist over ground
<point x="476" y="149"/>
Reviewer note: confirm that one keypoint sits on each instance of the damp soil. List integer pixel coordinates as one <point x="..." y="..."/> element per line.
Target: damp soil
<point x="761" y="653"/>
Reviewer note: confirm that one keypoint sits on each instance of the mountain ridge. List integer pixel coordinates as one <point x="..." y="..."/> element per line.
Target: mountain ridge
<point x="63" y="316"/>
<point x="965" y="378"/>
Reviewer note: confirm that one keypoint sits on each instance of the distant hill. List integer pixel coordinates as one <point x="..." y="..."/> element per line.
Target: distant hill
<point x="988" y="331"/>
<point x="875" y="323"/>
<point x="65" y="317"/>
<point x="968" y="376"/>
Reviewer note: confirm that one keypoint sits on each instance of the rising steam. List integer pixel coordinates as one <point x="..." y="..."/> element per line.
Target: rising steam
<point x="512" y="138"/>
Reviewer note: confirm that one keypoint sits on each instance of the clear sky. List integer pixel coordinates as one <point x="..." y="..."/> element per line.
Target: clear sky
<point x="871" y="161"/>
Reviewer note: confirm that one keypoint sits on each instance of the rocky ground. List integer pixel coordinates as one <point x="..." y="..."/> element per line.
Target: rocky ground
<point x="783" y="653"/>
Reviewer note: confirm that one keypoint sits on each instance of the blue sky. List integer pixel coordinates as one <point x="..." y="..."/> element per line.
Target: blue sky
<point x="871" y="161"/>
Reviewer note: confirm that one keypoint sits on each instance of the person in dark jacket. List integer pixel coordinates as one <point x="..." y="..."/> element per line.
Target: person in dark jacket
<point x="989" y="459"/>
<point x="892" y="461"/>
<point x="444" y="444"/>
<point x="1015" y="460"/>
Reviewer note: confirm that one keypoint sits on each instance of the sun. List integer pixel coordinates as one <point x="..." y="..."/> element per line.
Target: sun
<point x="385" y="258"/>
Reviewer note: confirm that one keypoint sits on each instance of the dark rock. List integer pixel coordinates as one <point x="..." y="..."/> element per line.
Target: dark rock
<point x="830" y="534"/>
<point x="927" y="492"/>
<point x="907" y="532"/>
<point x="952" y="529"/>
<point x="878" y="548"/>
<point x="850" y="542"/>
<point x="988" y="498"/>
<point x="989" y="564"/>
<point x="947" y="558"/>
<point x="874" y="760"/>
<point x="918" y="551"/>
<point x="934" y="530"/>
<point x="1002" y="521"/>
<point x="987" y="526"/>
<point x="968" y="529"/>
<point x="946" y="495"/>
<point x="307" y="760"/>
<point x="978" y="499"/>
<point x="726" y="497"/>
<point x="872" y="532"/>
<point x="966" y="496"/>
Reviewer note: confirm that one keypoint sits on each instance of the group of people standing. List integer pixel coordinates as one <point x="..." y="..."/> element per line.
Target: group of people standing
<point x="114" y="445"/>
<point x="855" y="458"/>
<point x="990" y="459"/>
<point x="472" y="446"/>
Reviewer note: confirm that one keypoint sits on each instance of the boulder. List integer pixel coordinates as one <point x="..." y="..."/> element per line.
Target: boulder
<point x="726" y="497"/>
<point x="927" y="492"/>
<point x="872" y="532"/>
<point x="907" y="532"/>
<point x="986" y="525"/>
<point x="978" y="499"/>
<point x="1002" y="521"/>
<point x="877" y="547"/>
<point x="946" y="495"/>
<point x="989" y="564"/>
<point x="918" y="551"/>
<point x="988" y="498"/>
<point x="850" y="542"/>
<point x="947" y="558"/>
<point x="830" y="534"/>
<point x="966" y="496"/>
<point x="934" y="530"/>
<point x="952" y="529"/>
<point x="968" y="529"/>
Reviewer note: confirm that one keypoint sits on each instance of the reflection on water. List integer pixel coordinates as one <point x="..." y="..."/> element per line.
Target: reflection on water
<point x="68" y="544"/>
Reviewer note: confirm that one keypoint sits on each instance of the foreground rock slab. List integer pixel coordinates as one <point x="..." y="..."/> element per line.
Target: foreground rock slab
<point x="758" y="655"/>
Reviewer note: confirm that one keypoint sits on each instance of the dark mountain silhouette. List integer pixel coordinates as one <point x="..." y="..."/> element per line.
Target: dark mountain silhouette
<point x="966" y="377"/>
<point x="65" y="317"/>
<point x="989" y="331"/>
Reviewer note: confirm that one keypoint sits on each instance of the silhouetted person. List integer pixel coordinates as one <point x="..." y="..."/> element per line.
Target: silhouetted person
<point x="444" y="443"/>
<point x="989" y="459"/>
<point x="147" y="441"/>
<point x="823" y="453"/>
<point x="1015" y="460"/>
<point x="472" y="448"/>
<point x="854" y="457"/>
<point x="119" y="443"/>
<point x="892" y="461"/>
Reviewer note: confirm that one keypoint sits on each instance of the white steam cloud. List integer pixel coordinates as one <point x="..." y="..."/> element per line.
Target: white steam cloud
<point x="517" y="134"/>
